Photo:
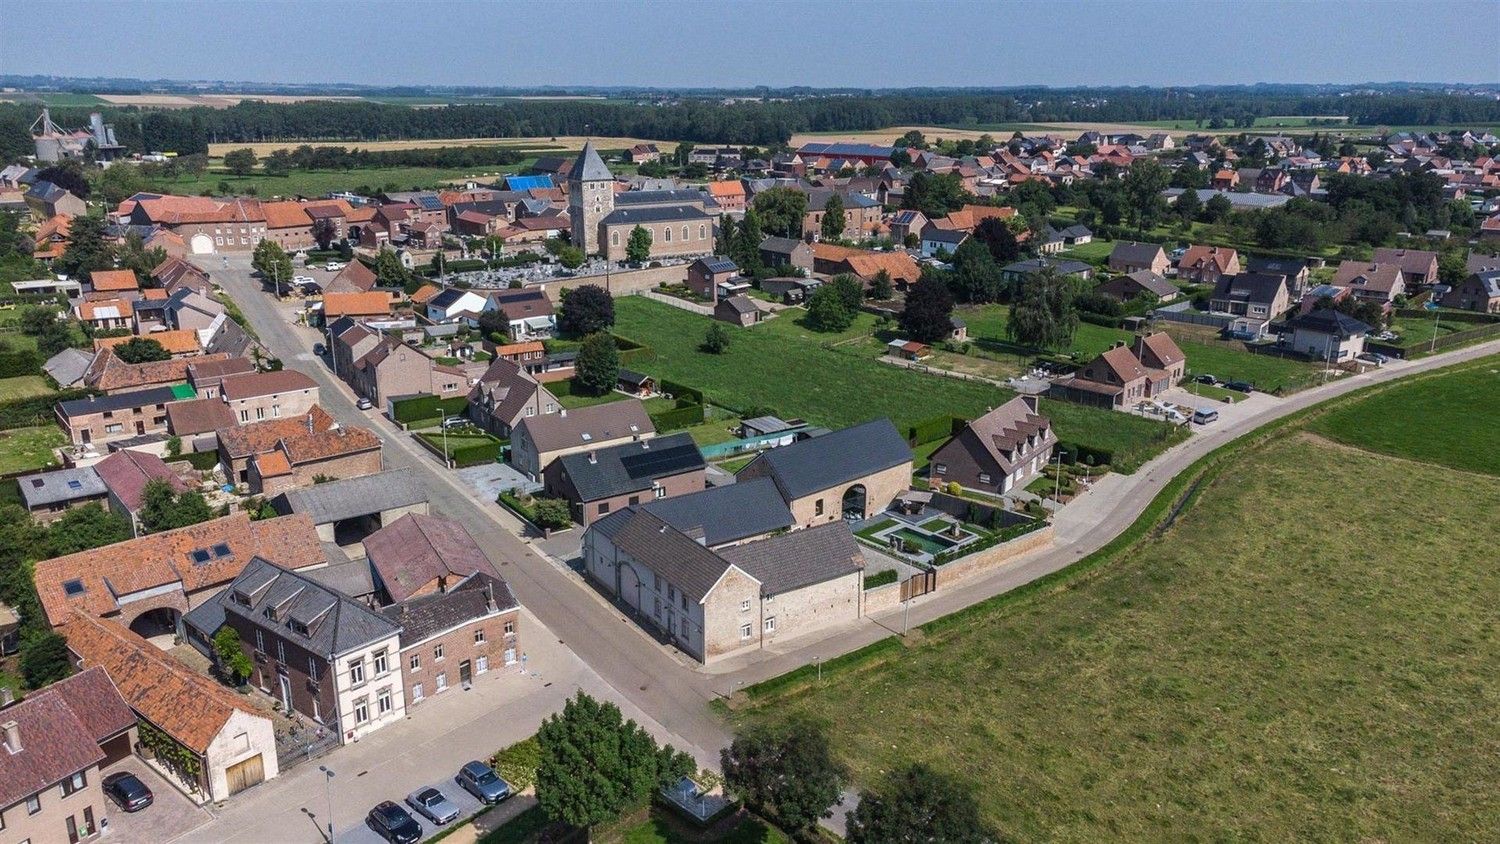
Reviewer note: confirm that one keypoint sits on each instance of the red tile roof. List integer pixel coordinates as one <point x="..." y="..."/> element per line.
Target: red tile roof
<point x="54" y="745"/>
<point x="126" y="473"/>
<point x="373" y="303"/>
<point x="252" y="384"/>
<point x="114" y="280"/>
<point x="285" y="215"/>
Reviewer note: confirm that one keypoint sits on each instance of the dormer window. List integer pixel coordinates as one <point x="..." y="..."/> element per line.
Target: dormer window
<point x="240" y="598"/>
<point x="271" y="613"/>
<point x="298" y="627"/>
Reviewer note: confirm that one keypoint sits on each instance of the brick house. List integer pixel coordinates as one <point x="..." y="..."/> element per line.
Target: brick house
<point x="1129" y="257"/>
<point x="1121" y="377"/>
<point x="315" y="650"/>
<point x="451" y="639"/>
<point x="420" y="555"/>
<point x="1207" y="264"/>
<point x="706" y="274"/>
<point x="1479" y="292"/>
<point x="538" y="440"/>
<point x="256" y="396"/>
<point x="207" y="377"/>
<point x="238" y="444"/>
<point x="1418" y="266"/>
<point x="299" y="460"/>
<point x="110" y="374"/>
<point x="729" y="194"/>
<point x="289" y="225"/>
<point x="998" y="452"/>
<point x="103" y="419"/>
<point x="505" y="394"/>
<point x="50" y="495"/>
<point x="1371" y="282"/>
<point x="599" y="482"/>
<point x="1259" y="296"/>
<point x="391" y="369"/>
<point x="126" y="473"/>
<point x="786" y="252"/>
<point x="53" y="745"/>
<point x="855" y="472"/>
<point x="738" y="309"/>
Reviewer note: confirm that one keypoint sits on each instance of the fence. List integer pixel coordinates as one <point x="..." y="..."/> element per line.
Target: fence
<point x="733" y="447"/>
<point x="1192" y="317"/>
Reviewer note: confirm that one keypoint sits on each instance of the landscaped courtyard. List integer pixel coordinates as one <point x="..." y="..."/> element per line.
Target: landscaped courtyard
<point x="1303" y="655"/>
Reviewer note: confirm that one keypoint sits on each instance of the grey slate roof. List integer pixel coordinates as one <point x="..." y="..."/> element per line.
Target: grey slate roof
<point x="61" y="485"/>
<point x="1153" y="282"/>
<point x="1249" y="287"/>
<point x="667" y="551"/>
<point x="805" y="467"/>
<point x="350" y="497"/>
<point x="427" y="616"/>
<point x="751" y="507"/>
<point x="739" y="303"/>
<point x="1135" y="253"/>
<point x="118" y="401"/>
<point x="800" y="558"/>
<point x="630" y="467"/>
<point x="334" y="624"/>
<point x="598" y="424"/>
<point x="351" y="577"/>
<point x="1064" y="266"/>
<point x="1277" y="266"/>
<point x="779" y="245"/>
<point x="672" y="196"/>
<point x="589" y="167"/>
<point x="1330" y="321"/>
<point x="654" y="214"/>
<point x="67" y="366"/>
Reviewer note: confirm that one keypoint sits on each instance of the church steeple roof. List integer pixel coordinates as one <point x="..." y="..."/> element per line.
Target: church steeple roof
<point x="589" y="167"/>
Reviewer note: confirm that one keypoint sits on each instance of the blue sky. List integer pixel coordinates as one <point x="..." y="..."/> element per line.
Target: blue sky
<point x="873" y="43"/>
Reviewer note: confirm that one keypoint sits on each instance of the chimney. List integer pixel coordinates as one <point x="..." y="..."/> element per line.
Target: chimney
<point x="593" y="458"/>
<point x="489" y="596"/>
<point x="12" y="736"/>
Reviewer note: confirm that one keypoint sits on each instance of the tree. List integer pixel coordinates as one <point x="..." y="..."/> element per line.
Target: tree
<point x="141" y="350"/>
<point x="389" y="271"/>
<point x="1217" y="208"/>
<point x="586" y="309"/>
<point x="916" y="805"/>
<point x="68" y="175"/>
<point x="934" y="195"/>
<point x="595" y="765"/>
<point x="36" y="319"/>
<point x="681" y="153"/>
<point x="45" y="659"/>
<point x="833" y="218"/>
<point x="976" y="277"/>
<point x="324" y="231"/>
<point x="1143" y="185"/>
<point x="781" y="211"/>
<point x="84" y="528"/>
<point x="747" y="240"/>
<point x="1187" y="205"/>
<point x="826" y="310"/>
<point x="1043" y="316"/>
<point x="928" y="315"/>
<point x="997" y="237"/>
<point x="716" y="341"/>
<point x="278" y="163"/>
<point x="881" y="288"/>
<point x="598" y="364"/>
<point x="571" y="257"/>
<point x="119" y="183"/>
<point x="273" y="263"/>
<point x="850" y="290"/>
<point x="552" y="513"/>
<point x="163" y="509"/>
<point x="786" y="770"/>
<point x="53" y="339"/>
<point x="232" y="659"/>
<point x="638" y="245"/>
<point x="87" y="249"/>
<point x="724" y="243"/>
<point x="240" y="161"/>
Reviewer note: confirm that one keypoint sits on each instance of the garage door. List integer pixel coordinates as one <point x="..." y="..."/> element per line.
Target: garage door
<point x="115" y="749"/>
<point x="250" y="772"/>
<point x="202" y="244"/>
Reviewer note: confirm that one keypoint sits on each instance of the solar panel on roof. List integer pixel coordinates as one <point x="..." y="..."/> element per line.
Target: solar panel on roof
<point x="656" y="462"/>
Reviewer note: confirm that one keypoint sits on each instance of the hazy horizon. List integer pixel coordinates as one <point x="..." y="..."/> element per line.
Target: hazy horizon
<point x="677" y="44"/>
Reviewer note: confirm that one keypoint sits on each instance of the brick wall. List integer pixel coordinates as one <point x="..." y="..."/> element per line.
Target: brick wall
<point x="993" y="557"/>
<point x="458" y="646"/>
<point x="881" y="489"/>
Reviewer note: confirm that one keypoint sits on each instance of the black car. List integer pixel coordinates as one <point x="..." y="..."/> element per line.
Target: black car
<point x="394" y="824"/>
<point x="1239" y="386"/>
<point x="1206" y="379"/>
<point x="127" y="790"/>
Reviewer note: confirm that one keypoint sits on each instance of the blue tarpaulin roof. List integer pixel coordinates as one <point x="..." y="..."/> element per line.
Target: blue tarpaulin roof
<point x="543" y="182"/>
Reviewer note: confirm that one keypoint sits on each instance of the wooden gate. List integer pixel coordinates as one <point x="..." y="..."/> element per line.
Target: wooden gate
<point x="241" y="776"/>
<point x="918" y="585"/>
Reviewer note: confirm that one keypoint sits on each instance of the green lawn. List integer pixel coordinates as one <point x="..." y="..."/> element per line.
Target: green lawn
<point x="1446" y="418"/>
<point x="1270" y="668"/>
<point x="1094" y="252"/>
<point x="23" y="386"/>
<point x="24" y="449"/>
<point x="1228" y="361"/>
<point x="790" y="369"/>
<point x="1417" y="331"/>
<point x="321" y="182"/>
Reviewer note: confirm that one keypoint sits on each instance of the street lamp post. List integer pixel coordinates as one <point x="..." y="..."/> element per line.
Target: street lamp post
<point x="328" y="797"/>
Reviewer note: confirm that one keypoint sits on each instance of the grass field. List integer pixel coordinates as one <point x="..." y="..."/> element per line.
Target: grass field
<point x="1417" y="331"/>
<point x="24" y="449"/>
<point x="23" y="386"/>
<point x="1094" y="252"/>
<point x="1269" y="668"/>
<point x="320" y="182"/>
<point x="798" y="372"/>
<point x="1448" y="419"/>
<point x="550" y="144"/>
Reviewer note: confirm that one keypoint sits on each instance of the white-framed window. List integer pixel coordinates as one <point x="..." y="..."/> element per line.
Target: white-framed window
<point x="745" y="630"/>
<point x="383" y="704"/>
<point x="382" y="662"/>
<point x="275" y="411"/>
<point x="280" y="650"/>
<point x="614" y="238"/>
<point x="361" y="710"/>
<point x="658" y="492"/>
<point x="702" y="232"/>
<point x="114" y="429"/>
<point x="312" y="667"/>
<point x="416" y="693"/>
<point x="244" y="416"/>
<point x="745" y="605"/>
<point x="74" y="783"/>
<point x="479" y="636"/>
<point x="219" y="241"/>
<point x="818" y="507"/>
<point x="33" y="804"/>
<point x="260" y="640"/>
<point x="770" y="624"/>
<point x="984" y="477"/>
<point x="481" y="663"/>
<point x="667" y="233"/>
<point x="939" y="468"/>
<point x="260" y="413"/>
<point x="551" y="407"/>
<point x="357" y="672"/>
<point x="442" y="682"/>
<point x="685" y="235"/>
<point x="415" y="663"/>
<point x="437" y="652"/>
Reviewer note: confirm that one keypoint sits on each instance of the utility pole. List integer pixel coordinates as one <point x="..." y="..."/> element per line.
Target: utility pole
<point x="328" y="796"/>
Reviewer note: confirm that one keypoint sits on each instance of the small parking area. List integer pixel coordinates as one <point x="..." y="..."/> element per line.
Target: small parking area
<point x="360" y="832"/>
<point x="490" y="479"/>
<point x="169" y="815"/>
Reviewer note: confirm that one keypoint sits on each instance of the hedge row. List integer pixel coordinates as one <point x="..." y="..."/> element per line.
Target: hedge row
<point x="682" y="416"/>
<point x="681" y="391"/>
<point x="1099" y="319"/>
<point x="1003" y="535"/>
<point x="477" y="454"/>
<point x="25" y="412"/>
<point x="631" y="351"/>
<point x="517" y="764"/>
<point x="16" y="362"/>
<point x="427" y="407"/>
<point x="1088" y="455"/>
<point x="880" y="578"/>
<point x="933" y="429"/>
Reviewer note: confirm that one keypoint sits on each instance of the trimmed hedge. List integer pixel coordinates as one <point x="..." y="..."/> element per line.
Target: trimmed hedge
<point x="15" y="362"/>
<point x="36" y="410"/>
<point x="1073" y="453"/>
<point x="631" y="351"/>
<point x="933" y="429"/>
<point x="682" y="416"/>
<point x="427" y="407"/>
<point x="477" y="454"/>
<point x="681" y="392"/>
<point x="880" y="578"/>
<point x="1003" y="535"/>
<point x="1099" y="319"/>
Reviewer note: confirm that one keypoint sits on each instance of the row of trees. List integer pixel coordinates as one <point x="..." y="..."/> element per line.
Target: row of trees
<point x="596" y="766"/>
<point x="279" y="162"/>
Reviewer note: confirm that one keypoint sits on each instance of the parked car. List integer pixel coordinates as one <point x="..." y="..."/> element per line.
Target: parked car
<point x="394" y="824"/>
<point x="1205" y="379"/>
<point x="335" y="266"/>
<point x="1239" y="386"/>
<point x="303" y="279"/>
<point x="1205" y="415"/>
<point x="364" y="404"/>
<point x="128" y="792"/>
<point x="432" y="804"/>
<point x="456" y="422"/>
<point x="481" y="781"/>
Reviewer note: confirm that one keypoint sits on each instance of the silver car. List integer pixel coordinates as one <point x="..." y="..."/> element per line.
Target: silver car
<point x="481" y="781"/>
<point x="431" y="804"/>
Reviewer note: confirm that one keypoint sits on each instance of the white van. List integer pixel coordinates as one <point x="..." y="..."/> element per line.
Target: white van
<point x="1205" y="415"/>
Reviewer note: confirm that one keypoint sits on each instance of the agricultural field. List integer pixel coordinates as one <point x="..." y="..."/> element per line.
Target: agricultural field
<point x="24" y="449"/>
<point x="839" y="382"/>
<point x="1270" y="125"/>
<point x="1446" y="418"/>
<point x="1267" y="668"/>
<point x="559" y="144"/>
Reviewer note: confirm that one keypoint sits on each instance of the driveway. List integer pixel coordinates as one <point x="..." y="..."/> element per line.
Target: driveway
<point x="489" y="480"/>
<point x="170" y="814"/>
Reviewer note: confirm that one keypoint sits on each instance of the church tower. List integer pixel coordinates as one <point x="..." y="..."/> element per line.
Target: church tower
<point x="591" y="197"/>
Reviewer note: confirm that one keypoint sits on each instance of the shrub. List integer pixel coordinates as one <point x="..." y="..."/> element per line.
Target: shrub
<point x="880" y="578"/>
<point x="682" y="416"/>
<point x="552" y="513"/>
<point x="426" y="407"/>
<point x="517" y="764"/>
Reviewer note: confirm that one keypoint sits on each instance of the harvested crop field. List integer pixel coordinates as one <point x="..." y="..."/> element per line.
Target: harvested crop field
<point x="560" y="144"/>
